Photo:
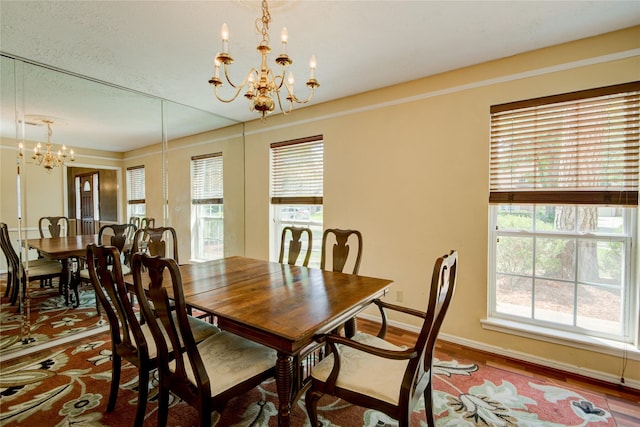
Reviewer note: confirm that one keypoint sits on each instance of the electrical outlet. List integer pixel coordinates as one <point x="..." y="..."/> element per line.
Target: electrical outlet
<point x="399" y="296"/>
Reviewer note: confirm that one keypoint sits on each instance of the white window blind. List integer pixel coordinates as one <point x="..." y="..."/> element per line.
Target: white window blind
<point x="206" y="179"/>
<point x="135" y="185"/>
<point x="297" y="171"/>
<point x="580" y="147"/>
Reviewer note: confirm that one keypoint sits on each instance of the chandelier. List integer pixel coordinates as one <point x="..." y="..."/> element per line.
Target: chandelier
<point x="263" y="85"/>
<point x="47" y="159"/>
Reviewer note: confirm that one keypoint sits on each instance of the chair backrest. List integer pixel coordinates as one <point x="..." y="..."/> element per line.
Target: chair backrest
<point x="135" y="220"/>
<point x="147" y="222"/>
<point x="161" y="242"/>
<point x="295" y="244"/>
<point x="7" y="249"/>
<point x="177" y="332"/>
<point x="119" y="235"/>
<point x="443" y="283"/>
<point x="53" y="226"/>
<point x="341" y="250"/>
<point x="105" y="270"/>
<point x="13" y="260"/>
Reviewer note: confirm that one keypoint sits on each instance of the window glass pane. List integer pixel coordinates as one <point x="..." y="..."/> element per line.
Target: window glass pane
<point x="514" y="295"/>
<point x="593" y="314"/>
<point x="515" y="255"/>
<point x="554" y="301"/>
<point x="610" y="220"/>
<point x="600" y="262"/>
<point x="555" y="258"/>
<point x="515" y="217"/>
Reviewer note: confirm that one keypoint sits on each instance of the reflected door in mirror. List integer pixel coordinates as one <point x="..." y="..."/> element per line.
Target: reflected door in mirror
<point x="86" y="204"/>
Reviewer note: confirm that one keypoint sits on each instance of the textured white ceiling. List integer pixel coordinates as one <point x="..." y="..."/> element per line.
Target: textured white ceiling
<point x="166" y="48"/>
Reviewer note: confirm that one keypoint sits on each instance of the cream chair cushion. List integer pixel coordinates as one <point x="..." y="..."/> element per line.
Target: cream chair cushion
<point x="365" y="373"/>
<point x="44" y="268"/>
<point x="229" y="360"/>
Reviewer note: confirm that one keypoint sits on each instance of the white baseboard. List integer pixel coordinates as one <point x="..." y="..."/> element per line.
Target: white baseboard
<point x="517" y="355"/>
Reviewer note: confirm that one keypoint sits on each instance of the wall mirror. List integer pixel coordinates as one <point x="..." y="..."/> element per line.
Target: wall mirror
<point x="110" y="129"/>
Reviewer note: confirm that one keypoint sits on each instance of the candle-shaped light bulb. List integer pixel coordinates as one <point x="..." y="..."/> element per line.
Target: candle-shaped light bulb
<point x="291" y="81"/>
<point x="72" y="154"/>
<point x="251" y="82"/>
<point x="312" y="66"/>
<point x="225" y="37"/>
<point x="284" y="37"/>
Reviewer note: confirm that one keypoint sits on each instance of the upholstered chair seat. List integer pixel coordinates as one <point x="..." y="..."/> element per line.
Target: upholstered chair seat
<point x="356" y="368"/>
<point x="229" y="360"/>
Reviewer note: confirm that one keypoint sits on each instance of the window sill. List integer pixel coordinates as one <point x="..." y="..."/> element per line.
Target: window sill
<point x="600" y="345"/>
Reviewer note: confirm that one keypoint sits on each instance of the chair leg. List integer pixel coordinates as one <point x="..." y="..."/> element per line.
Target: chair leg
<point x="205" y="416"/>
<point x="143" y="394"/>
<point x="97" y="301"/>
<point x="75" y="285"/>
<point x="163" y="406"/>
<point x="116" y="364"/>
<point x="311" y="401"/>
<point x="428" y="406"/>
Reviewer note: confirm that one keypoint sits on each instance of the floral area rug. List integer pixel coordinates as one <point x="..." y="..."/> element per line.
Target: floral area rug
<point x="50" y="318"/>
<point x="70" y="386"/>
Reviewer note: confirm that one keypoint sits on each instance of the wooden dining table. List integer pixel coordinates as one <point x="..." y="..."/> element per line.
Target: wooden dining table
<point x="63" y="249"/>
<point x="280" y="306"/>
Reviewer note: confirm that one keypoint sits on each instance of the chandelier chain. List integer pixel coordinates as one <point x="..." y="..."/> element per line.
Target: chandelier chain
<point x="264" y="20"/>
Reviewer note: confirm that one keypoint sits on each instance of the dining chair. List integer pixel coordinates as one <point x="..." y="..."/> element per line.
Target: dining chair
<point x="161" y="241"/>
<point x="338" y="254"/>
<point x="117" y="235"/>
<point x="130" y="340"/>
<point x="341" y="254"/>
<point x="370" y="372"/>
<point x="52" y="226"/>
<point x="295" y="245"/>
<point x="207" y="374"/>
<point x="42" y="270"/>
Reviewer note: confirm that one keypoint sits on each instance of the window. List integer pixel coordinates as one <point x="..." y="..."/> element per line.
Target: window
<point x="135" y="192"/>
<point x="207" y="213"/>
<point x="564" y="196"/>
<point x="297" y="169"/>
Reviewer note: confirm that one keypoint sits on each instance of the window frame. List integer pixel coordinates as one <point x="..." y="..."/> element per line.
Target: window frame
<point x="136" y="175"/>
<point x="624" y="196"/>
<point x="308" y="197"/>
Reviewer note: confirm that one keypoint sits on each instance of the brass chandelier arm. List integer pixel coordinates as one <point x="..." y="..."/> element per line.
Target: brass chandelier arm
<point x="216" y="83"/>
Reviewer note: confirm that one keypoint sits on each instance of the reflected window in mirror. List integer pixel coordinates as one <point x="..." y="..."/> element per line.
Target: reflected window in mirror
<point x="136" y="202"/>
<point x="207" y="207"/>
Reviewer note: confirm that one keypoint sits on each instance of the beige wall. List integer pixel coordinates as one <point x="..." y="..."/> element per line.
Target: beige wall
<point x="408" y="167"/>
